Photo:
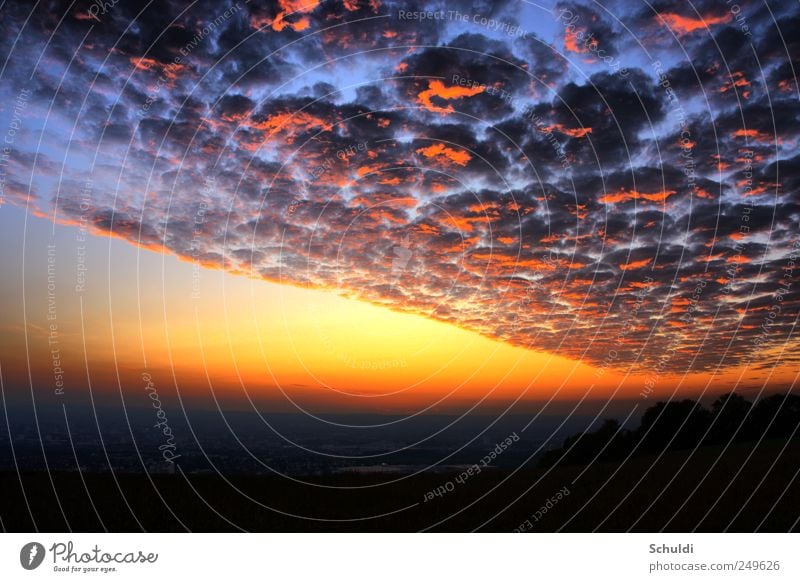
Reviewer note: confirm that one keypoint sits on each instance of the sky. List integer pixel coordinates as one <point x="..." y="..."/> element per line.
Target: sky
<point x="348" y="205"/>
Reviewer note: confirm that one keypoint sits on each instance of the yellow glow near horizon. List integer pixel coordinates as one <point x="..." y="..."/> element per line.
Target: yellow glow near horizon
<point x="319" y="339"/>
<point x="278" y="340"/>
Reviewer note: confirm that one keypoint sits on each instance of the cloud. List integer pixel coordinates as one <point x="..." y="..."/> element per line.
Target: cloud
<point x="441" y="168"/>
<point x="683" y="25"/>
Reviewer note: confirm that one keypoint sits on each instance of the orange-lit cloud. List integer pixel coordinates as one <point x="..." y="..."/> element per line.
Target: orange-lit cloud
<point x="570" y="42"/>
<point x="737" y="79"/>
<point x="572" y="38"/>
<point x="441" y="152"/>
<point x="635" y="264"/>
<point x="684" y="25"/>
<point x="291" y="123"/>
<point x="572" y="132"/>
<point x="628" y="195"/>
<point x="293" y="9"/>
<point x="438" y="89"/>
<point x="754" y="134"/>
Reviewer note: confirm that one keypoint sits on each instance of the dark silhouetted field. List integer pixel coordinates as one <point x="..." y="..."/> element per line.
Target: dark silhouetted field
<point x="743" y="489"/>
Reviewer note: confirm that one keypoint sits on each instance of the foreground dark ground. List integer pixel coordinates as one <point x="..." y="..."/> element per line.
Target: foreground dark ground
<point x="744" y="489"/>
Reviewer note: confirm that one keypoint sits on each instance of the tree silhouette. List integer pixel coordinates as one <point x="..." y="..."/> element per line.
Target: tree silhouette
<point x="673" y="425"/>
<point x="683" y="424"/>
<point x="730" y="412"/>
<point x="777" y="416"/>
